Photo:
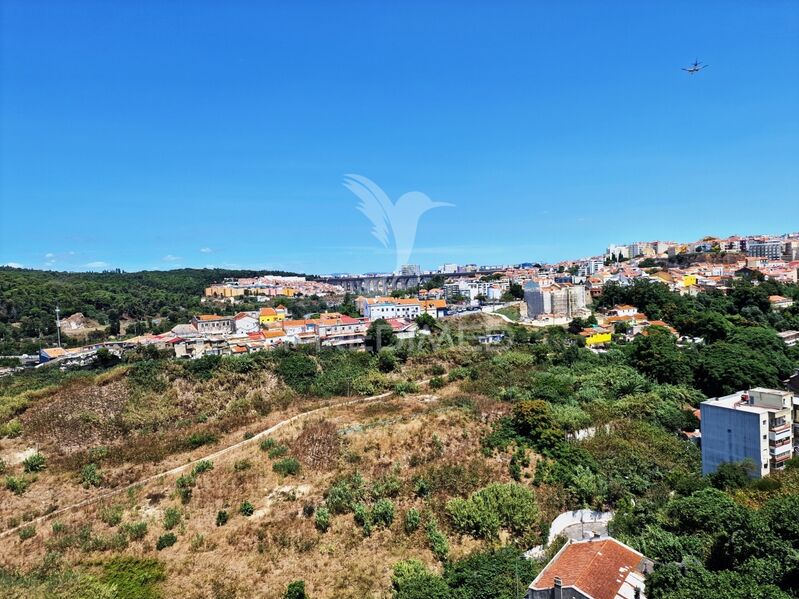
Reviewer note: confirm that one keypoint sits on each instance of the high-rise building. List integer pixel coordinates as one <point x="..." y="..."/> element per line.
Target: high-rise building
<point x="561" y="299"/>
<point x="410" y="270"/>
<point x="765" y="248"/>
<point x="756" y="426"/>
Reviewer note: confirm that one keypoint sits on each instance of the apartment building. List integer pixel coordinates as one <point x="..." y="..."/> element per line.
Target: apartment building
<point x="765" y="248"/>
<point x="755" y="425"/>
<point x="562" y="299"/>
<point x="213" y="323"/>
<point x="387" y="308"/>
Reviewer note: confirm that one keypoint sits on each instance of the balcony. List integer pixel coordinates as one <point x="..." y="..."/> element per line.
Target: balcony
<point x="781" y="443"/>
<point x="780" y="449"/>
<point x="780" y="435"/>
<point x="783" y="457"/>
<point x="779" y="427"/>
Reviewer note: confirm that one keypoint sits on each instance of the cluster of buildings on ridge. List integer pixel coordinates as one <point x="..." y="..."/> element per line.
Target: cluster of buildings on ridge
<point x="262" y="289"/>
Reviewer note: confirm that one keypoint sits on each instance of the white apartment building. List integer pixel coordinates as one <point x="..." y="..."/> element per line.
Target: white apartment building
<point x="755" y="425"/>
<point x="387" y="309"/>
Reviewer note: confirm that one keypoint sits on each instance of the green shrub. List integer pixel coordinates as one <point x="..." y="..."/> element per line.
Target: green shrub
<point x="11" y="429"/>
<point x="17" y="484"/>
<point x="286" y="466"/>
<point x="112" y="514"/>
<point x="458" y="373"/>
<point x="277" y="451"/>
<point x="412" y="580"/>
<point x="383" y="513"/>
<point x="3" y="466"/>
<point x="439" y="544"/>
<point x="199" y="439"/>
<point x="436" y="383"/>
<point x="421" y="487"/>
<point x="246" y="509"/>
<point x="360" y="514"/>
<point x="491" y="572"/>
<point x="242" y="465"/>
<point x="27" y="532"/>
<point x="133" y="577"/>
<point x="34" y="463"/>
<point x="484" y="512"/>
<point x="412" y="520"/>
<point x="388" y="485"/>
<point x="295" y="590"/>
<point x="135" y="530"/>
<point x="322" y="519"/>
<point x="222" y="517"/>
<point x="91" y="476"/>
<point x="437" y="370"/>
<point x="202" y="466"/>
<point x="405" y="387"/>
<point x="172" y="517"/>
<point x="267" y="444"/>
<point x="345" y="493"/>
<point x="166" y="540"/>
<point x="185" y="485"/>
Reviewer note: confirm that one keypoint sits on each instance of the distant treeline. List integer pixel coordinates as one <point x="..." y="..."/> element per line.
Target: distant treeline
<point x="28" y="298"/>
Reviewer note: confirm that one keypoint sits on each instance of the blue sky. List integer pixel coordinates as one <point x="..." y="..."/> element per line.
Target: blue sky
<point x="164" y="134"/>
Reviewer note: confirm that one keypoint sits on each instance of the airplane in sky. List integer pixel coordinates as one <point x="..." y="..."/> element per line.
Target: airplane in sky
<point x="696" y="67"/>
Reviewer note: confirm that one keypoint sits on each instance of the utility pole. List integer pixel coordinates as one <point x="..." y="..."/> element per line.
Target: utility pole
<point x="58" y="323"/>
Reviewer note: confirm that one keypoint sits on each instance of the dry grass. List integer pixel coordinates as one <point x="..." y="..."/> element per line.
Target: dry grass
<point x="259" y="555"/>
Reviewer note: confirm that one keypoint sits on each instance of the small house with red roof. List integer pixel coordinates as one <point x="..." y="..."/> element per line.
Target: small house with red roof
<point x="598" y="568"/>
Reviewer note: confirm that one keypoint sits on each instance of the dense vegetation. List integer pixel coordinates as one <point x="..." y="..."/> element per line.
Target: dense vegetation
<point x="28" y="299"/>
<point x="560" y="427"/>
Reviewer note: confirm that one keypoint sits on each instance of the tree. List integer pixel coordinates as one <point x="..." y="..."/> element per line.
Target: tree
<point x="426" y="321"/>
<point x="348" y="306"/>
<point x="379" y="334"/>
<point x="657" y="356"/>
<point x="532" y="418"/>
<point x="516" y="290"/>
<point x="490" y="574"/>
<point x="732" y="476"/>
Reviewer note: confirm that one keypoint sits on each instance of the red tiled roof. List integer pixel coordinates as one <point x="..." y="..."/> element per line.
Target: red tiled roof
<point x="597" y="568"/>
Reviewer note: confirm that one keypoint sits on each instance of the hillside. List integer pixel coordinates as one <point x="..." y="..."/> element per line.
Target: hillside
<point x="422" y="471"/>
<point x="28" y="299"/>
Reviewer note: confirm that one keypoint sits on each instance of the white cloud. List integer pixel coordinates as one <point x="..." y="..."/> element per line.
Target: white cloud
<point x="206" y="250"/>
<point x="13" y="265"/>
<point x="49" y="255"/>
<point x="171" y="258"/>
<point x="97" y="264"/>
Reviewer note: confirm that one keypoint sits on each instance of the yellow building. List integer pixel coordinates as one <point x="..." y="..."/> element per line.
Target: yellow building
<point x="689" y="280"/>
<point x="223" y="291"/>
<point x="596" y="336"/>
<point x="267" y="315"/>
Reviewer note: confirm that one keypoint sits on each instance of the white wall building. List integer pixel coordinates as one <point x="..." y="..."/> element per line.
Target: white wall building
<point x="755" y="425"/>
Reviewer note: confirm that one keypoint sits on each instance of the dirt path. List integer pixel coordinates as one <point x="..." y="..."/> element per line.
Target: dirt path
<point x="187" y="466"/>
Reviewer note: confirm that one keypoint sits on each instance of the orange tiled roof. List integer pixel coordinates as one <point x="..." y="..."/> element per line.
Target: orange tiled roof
<point x="597" y="568"/>
<point x="209" y="317"/>
<point x="267" y="312"/>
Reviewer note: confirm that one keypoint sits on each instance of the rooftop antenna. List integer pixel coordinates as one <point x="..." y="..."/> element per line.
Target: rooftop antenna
<point x="58" y="323"/>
